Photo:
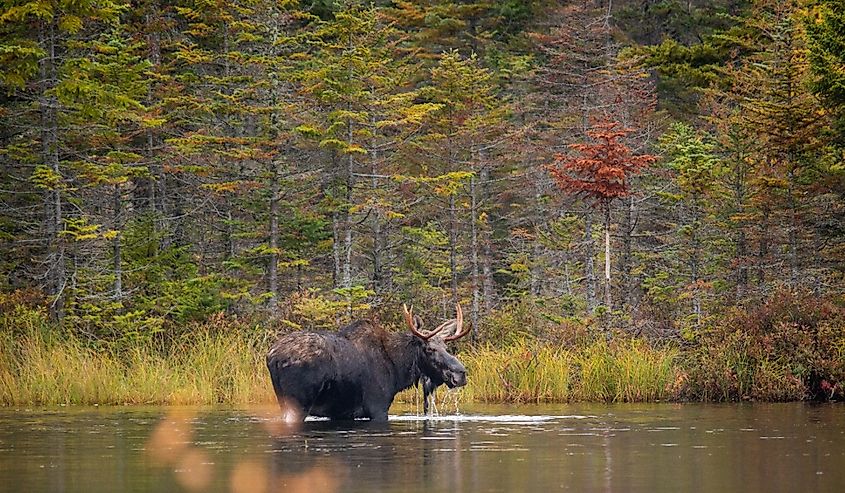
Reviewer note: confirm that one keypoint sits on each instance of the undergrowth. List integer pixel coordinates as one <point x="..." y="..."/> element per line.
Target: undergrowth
<point x="790" y="348"/>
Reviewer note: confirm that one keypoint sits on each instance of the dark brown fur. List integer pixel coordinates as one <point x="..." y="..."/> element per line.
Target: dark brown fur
<point x="356" y="372"/>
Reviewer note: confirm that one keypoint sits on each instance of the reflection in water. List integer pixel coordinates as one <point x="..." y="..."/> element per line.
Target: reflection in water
<point x="249" y="476"/>
<point x="171" y="437"/>
<point x="579" y="448"/>
<point x="194" y="471"/>
<point x="324" y="476"/>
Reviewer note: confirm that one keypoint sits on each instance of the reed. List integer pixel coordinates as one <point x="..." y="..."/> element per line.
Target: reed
<point x="221" y="368"/>
<point x="520" y="373"/>
<point x="629" y="372"/>
<point x="211" y="369"/>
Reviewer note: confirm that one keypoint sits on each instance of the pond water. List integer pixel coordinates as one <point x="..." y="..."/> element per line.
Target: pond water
<point x="585" y="448"/>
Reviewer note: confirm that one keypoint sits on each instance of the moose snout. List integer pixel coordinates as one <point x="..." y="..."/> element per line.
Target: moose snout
<point x="456" y="378"/>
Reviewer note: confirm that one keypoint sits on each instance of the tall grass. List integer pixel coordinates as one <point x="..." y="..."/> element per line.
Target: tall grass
<point x="625" y="372"/>
<point x="228" y="368"/>
<point x="219" y="368"/>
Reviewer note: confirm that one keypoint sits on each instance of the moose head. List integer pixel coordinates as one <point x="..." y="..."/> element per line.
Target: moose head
<point x="436" y="363"/>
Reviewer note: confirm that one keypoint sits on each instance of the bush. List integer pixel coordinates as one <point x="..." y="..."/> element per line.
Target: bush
<point x="790" y="347"/>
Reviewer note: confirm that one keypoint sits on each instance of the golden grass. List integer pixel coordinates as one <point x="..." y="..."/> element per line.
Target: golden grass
<point x="625" y="372"/>
<point x="228" y="368"/>
<point x="211" y="369"/>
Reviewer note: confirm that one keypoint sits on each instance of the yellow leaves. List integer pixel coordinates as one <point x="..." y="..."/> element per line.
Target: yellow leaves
<point x="18" y="13"/>
<point x="294" y="263"/>
<point x="192" y="55"/>
<point x="332" y="143"/>
<point x="347" y="116"/>
<point x="445" y="185"/>
<point x="412" y="115"/>
<point x="78" y="229"/>
<point x="188" y="13"/>
<point x="231" y="186"/>
<point x="307" y="130"/>
<point x="152" y="122"/>
<point x="70" y="23"/>
<point x="45" y="178"/>
<point x="773" y="182"/>
<point x="248" y="38"/>
<point x="354" y="149"/>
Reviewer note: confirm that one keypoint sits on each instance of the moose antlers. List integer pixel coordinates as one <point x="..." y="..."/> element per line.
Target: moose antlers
<point x="455" y="325"/>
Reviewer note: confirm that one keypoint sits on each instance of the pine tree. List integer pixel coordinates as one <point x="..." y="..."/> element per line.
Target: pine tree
<point x="454" y="160"/>
<point x="48" y="50"/>
<point x="601" y="172"/>
<point x="696" y="169"/>
<point x="770" y="87"/>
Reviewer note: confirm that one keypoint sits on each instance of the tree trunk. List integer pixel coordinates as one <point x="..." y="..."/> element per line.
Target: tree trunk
<point x="474" y="247"/>
<point x="763" y="251"/>
<point x="56" y="274"/>
<point x="741" y="251"/>
<point x="151" y="21"/>
<point x="230" y="232"/>
<point x="627" y="260"/>
<point x="607" y="300"/>
<point x="538" y="220"/>
<point x="453" y="247"/>
<point x="273" y="267"/>
<point x="742" y="268"/>
<point x="695" y="254"/>
<point x="347" y="220"/>
<point x="488" y="294"/>
<point x="589" y="263"/>
<point x="336" y="247"/>
<point x="378" y="241"/>
<point x="794" y="259"/>
<point x="116" y="224"/>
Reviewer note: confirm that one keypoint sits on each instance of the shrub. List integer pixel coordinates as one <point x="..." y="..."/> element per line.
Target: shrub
<point x="790" y="347"/>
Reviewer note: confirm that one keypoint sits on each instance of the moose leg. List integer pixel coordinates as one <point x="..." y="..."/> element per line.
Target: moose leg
<point x="292" y="411"/>
<point x="428" y="396"/>
<point x="377" y="412"/>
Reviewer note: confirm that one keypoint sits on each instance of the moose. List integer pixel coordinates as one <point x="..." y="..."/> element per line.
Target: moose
<point x="357" y="371"/>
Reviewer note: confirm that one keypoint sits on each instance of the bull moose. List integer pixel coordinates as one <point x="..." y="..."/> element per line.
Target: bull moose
<point x="356" y="372"/>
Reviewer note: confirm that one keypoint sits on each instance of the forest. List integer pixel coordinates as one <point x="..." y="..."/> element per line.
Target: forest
<point x="631" y="199"/>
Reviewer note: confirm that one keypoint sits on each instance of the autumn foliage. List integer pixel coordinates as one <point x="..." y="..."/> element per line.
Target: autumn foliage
<point x="601" y="171"/>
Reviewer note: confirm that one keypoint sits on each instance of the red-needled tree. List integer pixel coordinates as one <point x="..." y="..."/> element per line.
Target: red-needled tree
<point x="600" y="170"/>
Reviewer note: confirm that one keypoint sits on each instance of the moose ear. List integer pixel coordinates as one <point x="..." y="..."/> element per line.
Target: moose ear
<point x="418" y="322"/>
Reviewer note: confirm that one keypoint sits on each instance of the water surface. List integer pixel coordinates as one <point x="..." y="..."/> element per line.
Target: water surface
<point x="585" y="448"/>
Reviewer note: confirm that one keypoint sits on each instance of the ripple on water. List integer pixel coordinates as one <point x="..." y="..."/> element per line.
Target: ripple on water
<point x="476" y="418"/>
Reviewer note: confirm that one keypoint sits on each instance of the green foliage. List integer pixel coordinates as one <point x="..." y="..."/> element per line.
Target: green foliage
<point x="313" y="310"/>
<point x="691" y="157"/>
<point x="825" y="24"/>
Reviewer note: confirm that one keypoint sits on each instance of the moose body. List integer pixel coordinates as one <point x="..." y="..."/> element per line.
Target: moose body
<point x="356" y="372"/>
